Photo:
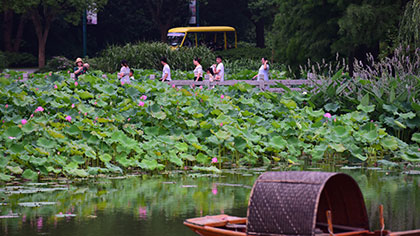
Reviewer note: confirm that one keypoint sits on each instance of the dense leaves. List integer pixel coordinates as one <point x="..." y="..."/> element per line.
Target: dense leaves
<point x="53" y="125"/>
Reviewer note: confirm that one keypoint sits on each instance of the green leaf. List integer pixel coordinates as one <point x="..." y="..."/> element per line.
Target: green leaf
<point x="29" y="127"/>
<point x="183" y="147"/>
<point x="105" y="157"/>
<point x="389" y="142"/>
<point x="332" y="107"/>
<point x="191" y="123"/>
<point x="15" y="170"/>
<point x="366" y="109"/>
<point x="46" y="143"/>
<point x="277" y="143"/>
<point x="176" y="160"/>
<point x="6" y="178"/>
<point x="338" y="147"/>
<point x="202" y="158"/>
<point x="14" y="132"/>
<point x="416" y="137"/>
<point x="29" y="174"/>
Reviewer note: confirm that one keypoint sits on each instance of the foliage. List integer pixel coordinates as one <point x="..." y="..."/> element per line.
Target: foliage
<point x="3" y="61"/>
<point x="144" y="55"/>
<point x="389" y="87"/>
<point x="58" y="63"/>
<point x="252" y="53"/>
<point x="409" y="33"/>
<point x="52" y="125"/>
<point x="20" y="59"/>
<point x="317" y="30"/>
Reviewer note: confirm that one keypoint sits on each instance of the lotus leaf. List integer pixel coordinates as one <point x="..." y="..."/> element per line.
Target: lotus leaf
<point x="389" y="143"/>
<point x="15" y="169"/>
<point x="29" y="174"/>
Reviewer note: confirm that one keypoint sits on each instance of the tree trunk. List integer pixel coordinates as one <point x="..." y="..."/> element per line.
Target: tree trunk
<point x="259" y="29"/>
<point x="41" y="33"/>
<point x="19" y="34"/>
<point x="7" y="30"/>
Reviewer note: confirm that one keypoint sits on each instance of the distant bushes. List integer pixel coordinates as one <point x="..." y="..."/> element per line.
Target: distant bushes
<point x="147" y="56"/>
<point x="248" y="52"/>
<point x="3" y="61"/>
<point x="22" y="59"/>
<point x="58" y="63"/>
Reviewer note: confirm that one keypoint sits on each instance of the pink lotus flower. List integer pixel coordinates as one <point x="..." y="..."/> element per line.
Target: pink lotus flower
<point x="68" y="118"/>
<point x="104" y="76"/>
<point x="50" y="74"/>
<point x="24" y="121"/>
<point x="128" y="119"/>
<point x="214" y="160"/>
<point x="39" y="109"/>
<point x="141" y="103"/>
<point x="221" y="124"/>
<point x="32" y="115"/>
<point x="95" y="103"/>
<point x="55" y="86"/>
<point x="222" y="96"/>
<point x="214" y="190"/>
<point x="122" y="82"/>
<point x="327" y="115"/>
<point x="75" y="83"/>
<point x="68" y="72"/>
<point x="144" y="97"/>
<point x="173" y="86"/>
<point x="335" y="119"/>
<point x="201" y="87"/>
<point x="72" y="105"/>
<point x="85" y="113"/>
<point x="79" y="112"/>
<point x="96" y="118"/>
<point x="10" y="137"/>
<point x="7" y="105"/>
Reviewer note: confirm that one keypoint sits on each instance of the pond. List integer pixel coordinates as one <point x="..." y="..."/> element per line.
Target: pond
<point x="157" y="205"/>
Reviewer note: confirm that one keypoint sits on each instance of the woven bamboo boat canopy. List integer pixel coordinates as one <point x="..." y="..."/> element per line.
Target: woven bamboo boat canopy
<point x="295" y="203"/>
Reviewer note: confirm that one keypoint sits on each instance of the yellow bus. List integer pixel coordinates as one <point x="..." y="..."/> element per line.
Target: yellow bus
<point x="202" y="35"/>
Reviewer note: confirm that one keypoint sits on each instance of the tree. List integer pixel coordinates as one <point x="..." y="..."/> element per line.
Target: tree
<point x="320" y="29"/>
<point x="409" y="32"/>
<point x="11" y="44"/>
<point x="44" y="12"/>
<point x="166" y="12"/>
<point x="262" y="13"/>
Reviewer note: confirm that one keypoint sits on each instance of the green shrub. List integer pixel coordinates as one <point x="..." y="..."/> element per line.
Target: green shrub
<point x="252" y="53"/>
<point x="147" y="56"/>
<point x="3" y="61"/>
<point x="21" y="59"/>
<point x="58" y="63"/>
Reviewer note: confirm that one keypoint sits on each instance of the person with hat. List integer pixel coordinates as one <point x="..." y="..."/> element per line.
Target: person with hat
<point x="80" y="67"/>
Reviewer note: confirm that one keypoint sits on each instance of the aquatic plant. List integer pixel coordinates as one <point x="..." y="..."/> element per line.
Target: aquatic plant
<point x="149" y="126"/>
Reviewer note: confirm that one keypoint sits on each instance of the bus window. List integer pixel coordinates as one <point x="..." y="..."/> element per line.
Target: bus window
<point x="175" y="39"/>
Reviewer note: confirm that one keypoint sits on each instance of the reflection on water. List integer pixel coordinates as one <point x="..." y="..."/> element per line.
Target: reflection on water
<point x="157" y="205"/>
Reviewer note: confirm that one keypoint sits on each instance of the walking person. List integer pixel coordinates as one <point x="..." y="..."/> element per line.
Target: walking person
<point x="124" y="74"/>
<point x="198" y="71"/>
<point x="166" y="73"/>
<point x="219" y="70"/>
<point x="263" y="71"/>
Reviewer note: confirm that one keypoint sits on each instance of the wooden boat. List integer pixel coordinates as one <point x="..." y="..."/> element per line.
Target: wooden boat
<point x="298" y="203"/>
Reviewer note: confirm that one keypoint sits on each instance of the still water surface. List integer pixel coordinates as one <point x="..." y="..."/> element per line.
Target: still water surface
<point x="157" y="205"/>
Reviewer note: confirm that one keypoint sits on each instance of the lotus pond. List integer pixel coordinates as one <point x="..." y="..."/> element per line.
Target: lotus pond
<point x="54" y="126"/>
<point x="157" y="205"/>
